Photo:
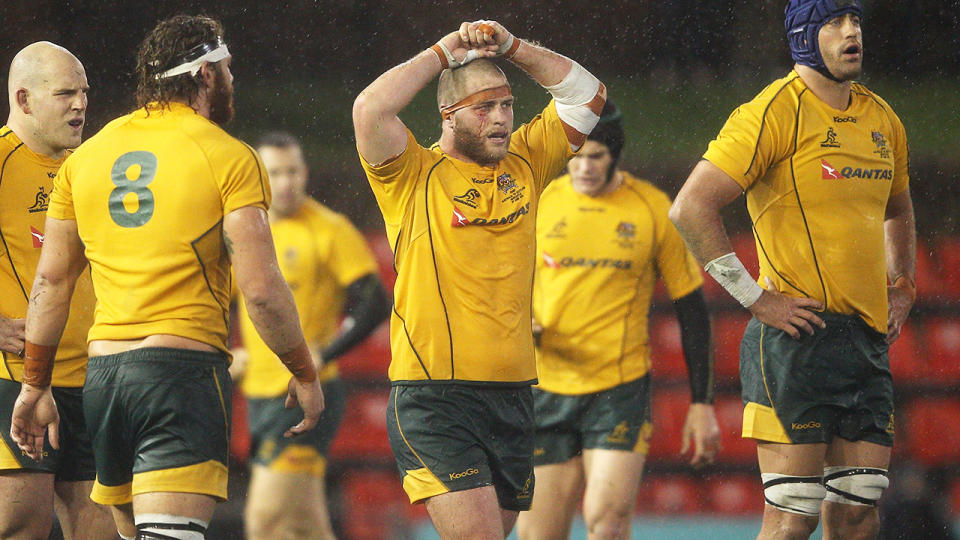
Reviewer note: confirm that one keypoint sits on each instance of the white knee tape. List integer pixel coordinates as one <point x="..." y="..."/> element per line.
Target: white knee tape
<point x="855" y="485"/>
<point x="794" y="494"/>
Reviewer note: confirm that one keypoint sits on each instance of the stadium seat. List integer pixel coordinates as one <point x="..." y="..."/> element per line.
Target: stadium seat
<point x="735" y="494"/>
<point x="932" y="436"/>
<point x="369" y="360"/>
<point x="942" y="338"/>
<point x="735" y="449"/>
<point x="669" y="412"/>
<point x="667" y="350"/>
<point x="669" y="494"/>
<point x="239" y="430"/>
<point x="907" y="362"/>
<point x="728" y="330"/>
<point x="947" y="256"/>
<point x="374" y="505"/>
<point x="929" y="285"/>
<point x="363" y="434"/>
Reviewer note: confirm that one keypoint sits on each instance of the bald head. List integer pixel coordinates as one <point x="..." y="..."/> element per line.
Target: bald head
<point x="456" y="84"/>
<point x="47" y="88"/>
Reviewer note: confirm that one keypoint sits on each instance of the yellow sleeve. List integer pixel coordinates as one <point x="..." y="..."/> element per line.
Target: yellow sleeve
<point x="901" y="163"/>
<point x="61" y="200"/>
<point x="243" y="180"/>
<point x="350" y="257"/>
<point x="546" y="145"/>
<point x="751" y="141"/>
<point x="675" y="264"/>
<point x="394" y="182"/>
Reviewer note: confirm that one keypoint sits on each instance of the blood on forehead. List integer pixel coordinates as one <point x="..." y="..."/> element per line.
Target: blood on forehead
<point x="475" y="98"/>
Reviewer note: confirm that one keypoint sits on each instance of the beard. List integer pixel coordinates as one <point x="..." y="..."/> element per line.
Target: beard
<point x="474" y="147"/>
<point x="221" y="100"/>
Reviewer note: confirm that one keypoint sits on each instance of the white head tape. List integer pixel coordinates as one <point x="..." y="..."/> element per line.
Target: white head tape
<point x="209" y="52"/>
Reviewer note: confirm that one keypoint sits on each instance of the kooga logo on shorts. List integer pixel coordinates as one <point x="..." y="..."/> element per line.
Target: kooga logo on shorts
<point x="809" y="425"/>
<point x="469" y="472"/>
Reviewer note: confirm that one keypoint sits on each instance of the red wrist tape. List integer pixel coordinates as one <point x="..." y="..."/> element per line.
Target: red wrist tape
<point x="38" y="364"/>
<point x="300" y="363"/>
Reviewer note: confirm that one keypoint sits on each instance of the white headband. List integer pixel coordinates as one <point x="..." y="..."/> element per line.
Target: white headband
<point x="193" y="66"/>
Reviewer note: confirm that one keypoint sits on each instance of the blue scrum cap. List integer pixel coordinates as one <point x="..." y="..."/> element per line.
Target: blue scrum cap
<point x="609" y="130"/>
<point x="803" y="20"/>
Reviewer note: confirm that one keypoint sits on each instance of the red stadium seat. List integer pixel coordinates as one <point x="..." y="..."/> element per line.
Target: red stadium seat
<point x="942" y="337"/>
<point x="239" y="430"/>
<point x="369" y="360"/>
<point x="363" y="434"/>
<point x="947" y="257"/>
<point x="667" y="350"/>
<point x="735" y="494"/>
<point x="907" y="363"/>
<point x="669" y="494"/>
<point x="374" y="505"/>
<point x="933" y="433"/>
<point x="728" y="330"/>
<point x="735" y="449"/>
<point x="669" y="412"/>
<point x="929" y="285"/>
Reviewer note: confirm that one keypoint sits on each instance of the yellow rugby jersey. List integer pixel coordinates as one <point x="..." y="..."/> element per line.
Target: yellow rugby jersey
<point x="817" y="181"/>
<point x="320" y="255"/>
<point x="149" y="193"/>
<point x="463" y="238"/>
<point x="26" y="180"/>
<point x="598" y="259"/>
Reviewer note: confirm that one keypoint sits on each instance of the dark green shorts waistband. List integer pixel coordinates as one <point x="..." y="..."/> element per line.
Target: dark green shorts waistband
<point x="159" y="354"/>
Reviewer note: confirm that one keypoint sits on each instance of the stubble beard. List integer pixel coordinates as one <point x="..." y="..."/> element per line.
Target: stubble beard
<point x="221" y="100"/>
<point x="474" y="147"/>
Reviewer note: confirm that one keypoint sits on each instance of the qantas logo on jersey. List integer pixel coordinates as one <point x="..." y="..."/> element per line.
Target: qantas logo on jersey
<point x="549" y="261"/>
<point x="460" y="220"/>
<point x="584" y="262"/>
<point x="829" y="172"/>
<point x="37" y="238"/>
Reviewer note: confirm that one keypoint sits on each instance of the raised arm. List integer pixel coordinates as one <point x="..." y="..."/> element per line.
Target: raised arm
<point x="901" y="241"/>
<point x="380" y="133"/>
<point x="696" y="214"/>
<point x="270" y="304"/>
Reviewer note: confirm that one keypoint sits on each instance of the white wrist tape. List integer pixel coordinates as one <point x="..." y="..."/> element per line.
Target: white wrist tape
<point x="734" y="277"/>
<point x="578" y="88"/>
<point x="453" y="63"/>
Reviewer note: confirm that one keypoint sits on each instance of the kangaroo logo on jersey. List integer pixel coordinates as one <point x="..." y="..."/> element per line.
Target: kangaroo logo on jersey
<point x="37" y="238"/>
<point x="831" y="140"/>
<point x="881" y="143"/>
<point x="41" y="202"/>
<point x="549" y="261"/>
<point x="469" y="198"/>
<point x="559" y="229"/>
<point x="828" y="171"/>
<point x="459" y="220"/>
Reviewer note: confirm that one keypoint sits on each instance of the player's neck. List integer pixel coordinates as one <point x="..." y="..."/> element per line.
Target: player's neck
<point x="22" y="129"/>
<point x="833" y="93"/>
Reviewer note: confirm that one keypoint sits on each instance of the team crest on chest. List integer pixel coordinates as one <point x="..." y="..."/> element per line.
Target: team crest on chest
<point x="41" y="201"/>
<point x="626" y="233"/>
<point x="881" y="143"/>
<point x="470" y="198"/>
<point x="831" y="141"/>
<point x="509" y="187"/>
<point x="559" y="229"/>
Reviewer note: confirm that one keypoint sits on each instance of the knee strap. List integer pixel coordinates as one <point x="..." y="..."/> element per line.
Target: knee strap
<point x="794" y="494"/>
<point x="855" y="485"/>
<point x="169" y="527"/>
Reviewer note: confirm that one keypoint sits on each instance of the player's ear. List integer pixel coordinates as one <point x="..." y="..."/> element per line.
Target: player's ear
<point x="21" y="96"/>
<point x="207" y="74"/>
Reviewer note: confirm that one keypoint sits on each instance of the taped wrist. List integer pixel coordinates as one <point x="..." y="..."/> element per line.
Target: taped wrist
<point x="447" y="61"/>
<point x="509" y="47"/>
<point x="580" y="98"/>
<point x="734" y="277"/>
<point x="300" y="363"/>
<point x="38" y="364"/>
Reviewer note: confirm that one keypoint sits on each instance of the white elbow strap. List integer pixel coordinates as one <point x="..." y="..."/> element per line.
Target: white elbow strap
<point x="855" y="485"/>
<point x="580" y="97"/>
<point x="734" y="277"/>
<point x="794" y="494"/>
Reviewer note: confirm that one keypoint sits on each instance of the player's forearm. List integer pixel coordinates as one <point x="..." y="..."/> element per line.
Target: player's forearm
<point x="696" y="212"/>
<point x="392" y="91"/>
<point x="48" y="310"/>
<point x="545" y="66"/>
<point x="901" y="238"/>
<point x="367" y="306"/>
<point x="697" y="342"/>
